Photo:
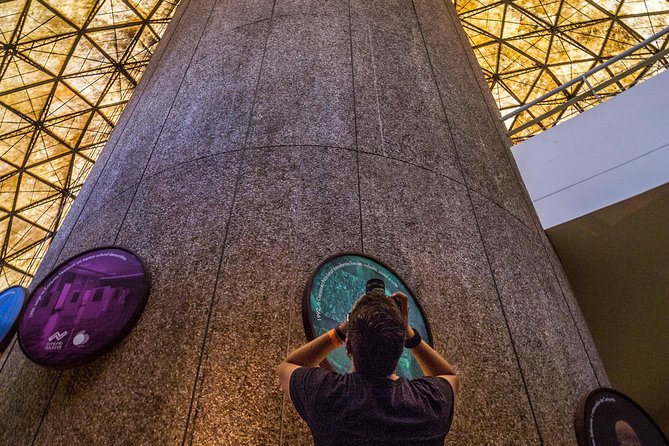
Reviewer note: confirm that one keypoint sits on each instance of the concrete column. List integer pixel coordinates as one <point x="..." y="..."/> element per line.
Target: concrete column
<point x="265" y="136"/>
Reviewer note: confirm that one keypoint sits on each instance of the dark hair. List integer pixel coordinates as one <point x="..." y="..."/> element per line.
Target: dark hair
<point x="376" y="333"/>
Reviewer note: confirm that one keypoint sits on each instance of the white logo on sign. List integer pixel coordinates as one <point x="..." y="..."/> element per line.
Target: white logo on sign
<point x="58" y="336"/>
<point x="80" y="338"/>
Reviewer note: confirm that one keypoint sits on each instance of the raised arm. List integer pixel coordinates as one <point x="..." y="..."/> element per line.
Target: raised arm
<point x="310" y="354"/>
<point x="430" y="362"/>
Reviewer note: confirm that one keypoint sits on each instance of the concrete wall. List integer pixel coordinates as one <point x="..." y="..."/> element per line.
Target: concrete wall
<point x="264" y="137"/>
<point x="607" y="154"/>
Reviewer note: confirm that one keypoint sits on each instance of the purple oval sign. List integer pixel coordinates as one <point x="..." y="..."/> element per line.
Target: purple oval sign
<point x="83" y="308"/>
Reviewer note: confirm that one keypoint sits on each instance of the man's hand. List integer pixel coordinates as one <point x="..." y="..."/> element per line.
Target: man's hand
<point x="403" y="303"/>
<point x="430" y="362"/>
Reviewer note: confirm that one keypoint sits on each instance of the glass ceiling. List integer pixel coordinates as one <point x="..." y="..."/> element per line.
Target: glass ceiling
<point x="527" y="48"/>
<point x="69" y="67"/>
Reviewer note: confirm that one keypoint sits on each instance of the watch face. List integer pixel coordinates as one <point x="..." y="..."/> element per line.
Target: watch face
<point x="335" y="285"/>
<point x="609" y="418"/>
<point x="83" y="308"/>
<point x="11" y="304"/>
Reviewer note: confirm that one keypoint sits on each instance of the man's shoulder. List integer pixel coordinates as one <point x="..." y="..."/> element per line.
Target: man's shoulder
<point x="433" y="388"/>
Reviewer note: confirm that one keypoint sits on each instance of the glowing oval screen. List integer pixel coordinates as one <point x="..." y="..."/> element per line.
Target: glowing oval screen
<point x="83" y="308"/>
<point x="11" y="303"/>
<point x="336" y="285"/>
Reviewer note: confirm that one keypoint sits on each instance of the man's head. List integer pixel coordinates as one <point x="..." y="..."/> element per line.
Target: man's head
<point x="376" y="333"/>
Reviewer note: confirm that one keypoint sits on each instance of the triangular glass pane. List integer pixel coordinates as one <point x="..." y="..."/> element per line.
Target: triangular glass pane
<point x="535" y="47"/>
<point x="113" y="12"/>
<point x="10" y="122"/>
<point x="505" y="101"/>
<point x="113" y="112"/>
<point x="619" y="41"/>
<point x="580" y="12"/>
<point x="54" y="171"/>
<point x="544" y="84"/>
<point x="41" y="23"/>
<point x="8" y="188"/>
<point x="20" y="74"/>
<point x="563" y="52"/>
<point x="522" y="86"/>
<point x="114" y="42"/>
<point x="91" y="86"/>
<point x="29" y="102"/>
<point x="65" y="102"/>
<point x="119" y="91"/>
<point x="70" y="129"/>
<point x="166" y="8"/>
<point x="28" y="260"/>
<point x="592" y="37"/>
<point x="489" y="21"/>
<point x="50" y="54"/>
<point x="487" y="57"/>
<point x="511" y="60"/>
<point x="5" y="168"/>
<point x="646" y="26"/>
<point x="611" y="6"/>
<point x="76" y="11"/>
<point x="45" y="147"/>
<point x="80" y="169"/>
<point x="32" y="190"/>
<point x="87" y="58"/>
<point x="13" y="149"/>
<point x="43" y="213"/>
<point x="144" y="47"/>
<point x="9" y="18"/>
<point x="544" y="11"/>
<point x="21" y="235"/>
<point x="518" y="23"/>
<point x="98" y="130"/>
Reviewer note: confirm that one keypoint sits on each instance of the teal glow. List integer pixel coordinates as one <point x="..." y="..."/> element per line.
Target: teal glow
<point x="337" y="285"/>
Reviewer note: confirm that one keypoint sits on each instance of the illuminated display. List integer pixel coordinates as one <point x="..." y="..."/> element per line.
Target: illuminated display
<point x="83" y="308"/>
<point x="609" y="418"/>
<point x="11" y="304"/>
<point x="337" y="283"/>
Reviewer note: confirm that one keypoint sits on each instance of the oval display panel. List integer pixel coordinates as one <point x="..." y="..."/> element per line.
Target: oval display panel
<point x="11" y="303"/>
<point x="84" y="307"/>
<point x="335" y="285"/>
<point x="609" y="418"/>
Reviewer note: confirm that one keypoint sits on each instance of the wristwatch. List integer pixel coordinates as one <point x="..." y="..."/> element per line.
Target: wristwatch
<point x="340" y="334"/>
<point x="413" y="341"/>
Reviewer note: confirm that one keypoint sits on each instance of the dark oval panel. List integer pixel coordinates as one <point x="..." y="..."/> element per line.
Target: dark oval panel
<point x="606" y="417"/>
<point x="84" y="307"/>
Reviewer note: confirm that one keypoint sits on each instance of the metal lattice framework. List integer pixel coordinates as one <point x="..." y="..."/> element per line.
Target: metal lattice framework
<point x="68" y="69"/>
<point x="527" y="48"/>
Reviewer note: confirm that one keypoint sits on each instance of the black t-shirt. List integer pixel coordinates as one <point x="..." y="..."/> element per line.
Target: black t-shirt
<point x="354" y="409"/>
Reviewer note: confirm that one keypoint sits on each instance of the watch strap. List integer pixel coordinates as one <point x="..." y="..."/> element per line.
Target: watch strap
<point x="413" y="341"/>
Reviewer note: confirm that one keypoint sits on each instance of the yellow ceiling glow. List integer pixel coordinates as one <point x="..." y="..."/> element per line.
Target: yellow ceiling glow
<point x="68" y="68"/>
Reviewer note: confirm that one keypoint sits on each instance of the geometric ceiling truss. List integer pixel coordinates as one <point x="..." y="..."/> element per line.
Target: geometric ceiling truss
<point x="527" y="48"/>
<point x="67" y="70"/>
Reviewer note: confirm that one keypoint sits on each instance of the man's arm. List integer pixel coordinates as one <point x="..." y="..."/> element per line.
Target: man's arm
<point x="310" y="354"/>
<point x="430" y="362"/>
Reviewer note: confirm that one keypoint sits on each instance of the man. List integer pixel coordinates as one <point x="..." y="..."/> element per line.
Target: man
<point x="372" y="405"/>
